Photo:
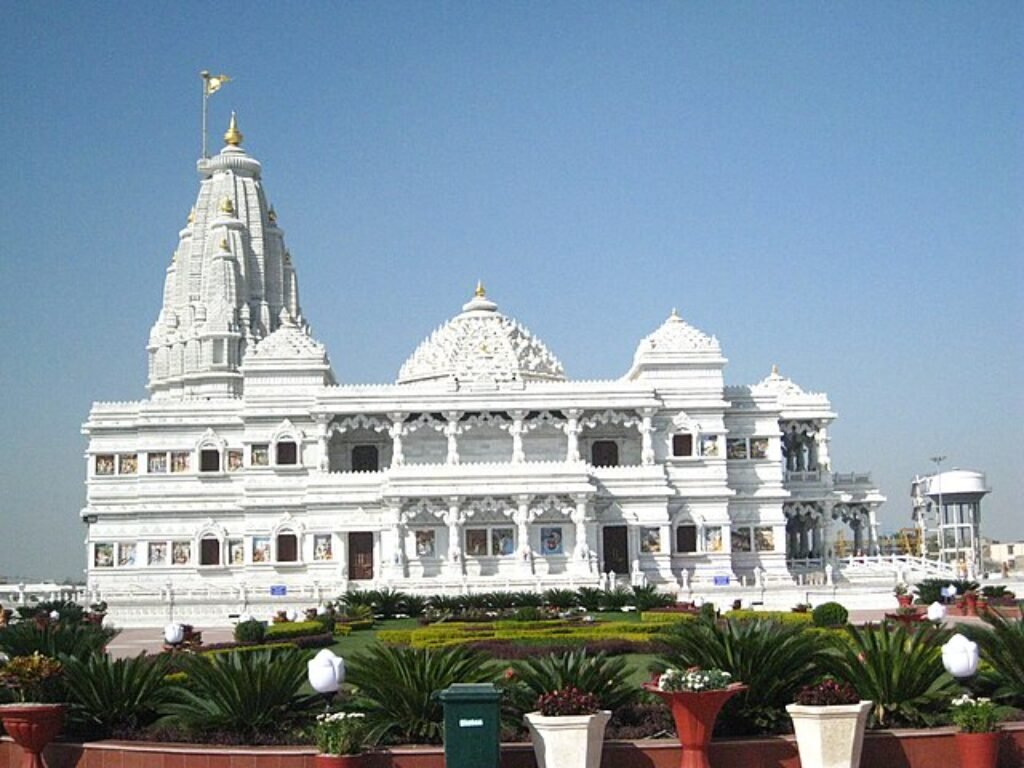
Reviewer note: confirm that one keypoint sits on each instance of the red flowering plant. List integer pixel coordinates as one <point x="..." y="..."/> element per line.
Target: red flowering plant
<point x="827" y="693"/>
<point x="566" y="702"/>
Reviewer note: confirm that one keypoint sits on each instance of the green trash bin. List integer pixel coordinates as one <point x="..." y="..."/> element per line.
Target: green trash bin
<point x="472" y="725"/>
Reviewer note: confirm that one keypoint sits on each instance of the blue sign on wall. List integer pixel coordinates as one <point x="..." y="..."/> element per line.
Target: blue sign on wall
<point x="278" y="590"/>
<point x="721" y="581"/>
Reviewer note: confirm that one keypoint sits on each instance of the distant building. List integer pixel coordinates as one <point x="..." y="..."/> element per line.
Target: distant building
<point x="947" y="515"/>
<point x="249" y="469"/>
<point x="1008" y="554"/>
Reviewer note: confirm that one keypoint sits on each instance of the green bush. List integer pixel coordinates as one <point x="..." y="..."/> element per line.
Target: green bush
<point x="244" y="693"/>
<point x="70" y="612"/>
<point x="561" y="599"/>
<point x="900" y="671"/>
<point x="55" y="639"/>
<point x="605" y="677"/>
<point x="930" y="590"/>
<point x="106" y="695"/>
<point x="775" y="660"/>
<point x="783" y="617"/>
<point x="648" y="597"/>
<point x="395" y="688"/>
<point x="830" y="615"/>
<point x="1002" y="648"/>
<point x="251" y="631"/>
<point x="589" y="598"/>
<point x="292" y="629"/>
<point x="530" y="631"/>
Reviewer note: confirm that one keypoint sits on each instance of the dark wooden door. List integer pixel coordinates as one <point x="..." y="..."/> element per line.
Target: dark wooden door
<point x="360" y="556"/>
<point x="616" y="552"/>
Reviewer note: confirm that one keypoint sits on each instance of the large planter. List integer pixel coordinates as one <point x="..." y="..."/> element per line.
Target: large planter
<point x="695" y="715"/>
<point x="32" y="727"/>
<point x="338" y="761"/>
<point x="830" y="737"/>
<point x="568" y="741"/>
<point x="978" y="750"/>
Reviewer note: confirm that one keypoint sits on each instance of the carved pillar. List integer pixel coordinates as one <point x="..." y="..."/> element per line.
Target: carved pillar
<point x="397" y="431"/>
<point x="393" y="542"/>
<point x="873" y="548"/>
<point x="827" y="532"/>
<point x="522" y="520"/>
<point x="321" y="439"/>
<point x="581" y="552"/>
<point x="858" y="535"/>
<point x="824" y="460"/>
<point x="647" y="437"/>
<point x="516" y="430"/>
<point x="572" y="433"/>
<point x="451" y="431"/>
<point x="454" y="519"/>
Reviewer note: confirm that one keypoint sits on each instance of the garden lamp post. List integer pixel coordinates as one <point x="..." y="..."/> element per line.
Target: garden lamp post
<point x="326" y="673"/>
<point x="960" y="656"/>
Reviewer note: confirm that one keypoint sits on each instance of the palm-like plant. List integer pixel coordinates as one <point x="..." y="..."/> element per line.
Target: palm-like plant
<point x="589" y="598"/>
<point x="245" y="692"/>
<point x="900" y="671"/>
<point x="561" y="599"/>
<point x="605" y="677"/>
<point x="55" y="639"/>
<point x="647" y="597"/>
<point x="1002" y="646"/>
<point x="449" y="604"/>
<point x="775" y="660"/>
<point x="395" y="688"/>
<point x="107" y="695"/>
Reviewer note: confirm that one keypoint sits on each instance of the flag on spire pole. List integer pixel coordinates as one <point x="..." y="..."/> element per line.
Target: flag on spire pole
<point x="214" y="83"/>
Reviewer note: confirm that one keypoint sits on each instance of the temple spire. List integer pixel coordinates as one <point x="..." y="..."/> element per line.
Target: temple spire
<point x="233" y="136"/>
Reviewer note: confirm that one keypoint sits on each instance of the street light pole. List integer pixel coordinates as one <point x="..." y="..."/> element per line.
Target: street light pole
<point x="937" y="461"/>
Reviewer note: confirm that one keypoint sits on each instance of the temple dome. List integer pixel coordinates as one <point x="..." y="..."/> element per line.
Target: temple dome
<point x="676" y="336"/>
<point x="481" y="347"/>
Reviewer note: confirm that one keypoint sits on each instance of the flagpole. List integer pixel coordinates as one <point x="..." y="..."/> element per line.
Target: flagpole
<point x="205" y="75"/>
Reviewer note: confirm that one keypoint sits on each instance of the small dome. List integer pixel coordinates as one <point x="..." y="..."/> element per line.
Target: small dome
<point x="778" y="384"/>
<point x="288" y="342"/>
<point x="481" y="346"/>
<point x="674" y="337"/>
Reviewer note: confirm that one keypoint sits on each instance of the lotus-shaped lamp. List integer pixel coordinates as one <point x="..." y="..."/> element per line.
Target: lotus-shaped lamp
<point x="174" y="633"/>
<point x="960" y="656"/>
<point x="936" y="611"/>
<point x="326" y="672"/>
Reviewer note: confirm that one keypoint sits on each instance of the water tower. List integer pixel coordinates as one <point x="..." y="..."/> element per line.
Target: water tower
<point x="947" y="513"/>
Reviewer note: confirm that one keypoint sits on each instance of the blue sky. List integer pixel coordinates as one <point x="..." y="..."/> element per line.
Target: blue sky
<point x="833" y="187"/>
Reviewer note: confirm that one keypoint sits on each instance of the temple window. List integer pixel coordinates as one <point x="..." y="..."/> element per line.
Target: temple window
<point x="209" y="551"/>
<point x="495" y="542"/>
<point x="604" y="453"/>
<point x="260" y="455"/>
<point x="682" y="445"/>
<point x="365" y="458"/>
<point x="286" y="452"/>
<point x="287" y="548"/>
<point x="686" y="538"/>
<point x="209" y="460"/>
<point x="105" y="464"/>
<point x="156" y="463"/>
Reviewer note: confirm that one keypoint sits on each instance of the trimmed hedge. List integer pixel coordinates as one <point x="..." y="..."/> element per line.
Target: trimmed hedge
<point x="526" y="633"/>
<point x="783" y="617"/>
<point x="290" y="629"/>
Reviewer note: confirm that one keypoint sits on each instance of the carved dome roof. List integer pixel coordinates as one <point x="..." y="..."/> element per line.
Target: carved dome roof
<point x="676" y="336"/>
<point x="481" y="347"/>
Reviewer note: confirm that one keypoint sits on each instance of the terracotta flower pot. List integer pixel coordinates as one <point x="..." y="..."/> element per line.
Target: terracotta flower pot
<point x="971" y="603"/>
<point x="978" y="750"/>
<point x="695" y="714"/>
<point x="338" y="761"/>
<point x="32" y="726"/>
<point x="905" y="600"/>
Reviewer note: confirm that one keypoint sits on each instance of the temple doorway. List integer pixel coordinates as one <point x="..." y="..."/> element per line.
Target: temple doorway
<point x="360" y="556"/>
<point x="615" y="550"/>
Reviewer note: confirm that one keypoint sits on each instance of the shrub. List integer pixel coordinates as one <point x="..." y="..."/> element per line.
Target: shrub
<point x="605" y="677"/>
<point x="830" y="615"/>
<point x="566" y="702"/>
<point x="528" y="613"/>
<point x="107" y="695"/>
<point x="561" y="599"/>
<point x="974" y="715"/>
<point x="708" y="613"/>
<point x="930" y="590"/>
<point x="445" y="604"/>
<point x="291" y="629"/>
<point x="997" y="592"/>
<point x="55" y="639"/>
<point x="589" y="598"/>
<point x="648" y="597"/>
<point x="414" y="605"/>
<point x="395" y="687"/>
<point x="251" y="631"/>
<point x="615" y="599"/>
<point x="71" y="613"/>
<point x="34" y="678"/>
<point x="1002" y="647"/>
<point x="783" y="617"/>
<point x="827" y="693"/>
<point x="775" y="660"/>
<point x="900" y="671"/>
<point x="526" y="600"/>
<point x="245" y="693"/>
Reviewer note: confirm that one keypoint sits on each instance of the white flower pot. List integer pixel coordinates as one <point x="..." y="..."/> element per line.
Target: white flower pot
<point x="572" y="741"/>
<point x="830" y="737"/>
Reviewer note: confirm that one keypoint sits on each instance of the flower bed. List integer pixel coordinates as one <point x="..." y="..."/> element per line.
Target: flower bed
<point x="523" y="633"/>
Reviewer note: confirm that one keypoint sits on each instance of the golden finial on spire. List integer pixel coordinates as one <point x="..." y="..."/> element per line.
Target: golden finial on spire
<point x="233" y="135"/>
<point x="224" y="245"/>
<point x="480" y="292"/>
<point x="227" y="206"/>
<point x="272" y="215"/>
<point x="192" y="215"/>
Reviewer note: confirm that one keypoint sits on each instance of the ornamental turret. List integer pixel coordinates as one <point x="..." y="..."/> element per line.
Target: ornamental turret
<point x="229" y="282"/>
